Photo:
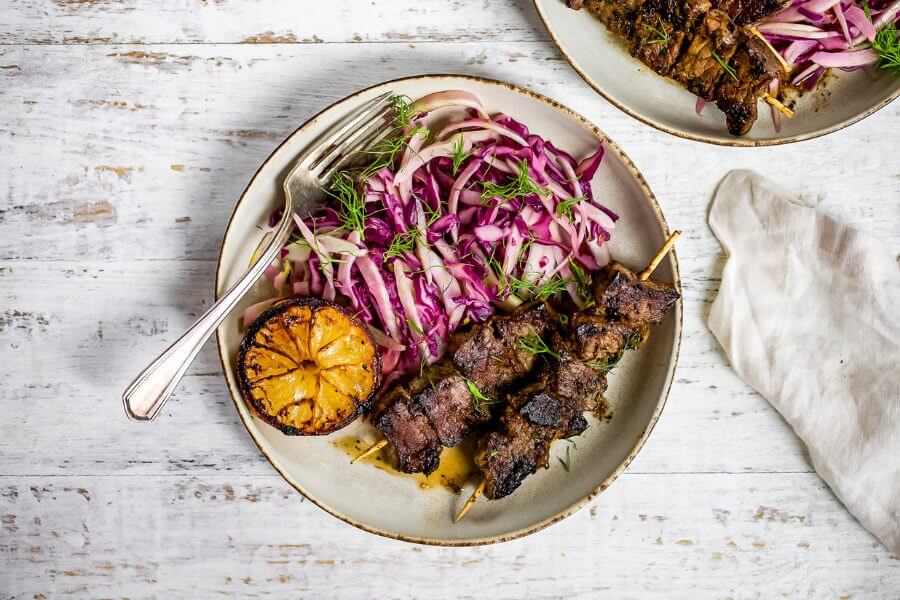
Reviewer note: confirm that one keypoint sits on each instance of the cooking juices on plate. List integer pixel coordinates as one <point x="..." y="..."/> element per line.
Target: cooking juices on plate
<point x="736" y="52"/>
<point x="475" y="255"/>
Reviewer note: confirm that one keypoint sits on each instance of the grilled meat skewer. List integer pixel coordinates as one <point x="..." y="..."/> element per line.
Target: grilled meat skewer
<point x="572" y="380"/>
<point x="707" y="45"/>
<point x="437" y="409"/>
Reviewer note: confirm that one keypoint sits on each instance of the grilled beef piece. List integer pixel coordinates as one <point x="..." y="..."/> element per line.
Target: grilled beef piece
<point x="490" y="355"/>
<point x="748" y="12"/>
<point x="621" y="296"/>
<point x="755" y="66"/>
<point x="448" y="404"/>
<point x="413" y="441"/>
<point x="713" y="44"/>
<point x="532" y="419"/>
<point x="575" y="379"/>
<point x="617" y="15"/>
<point x="599" y="341"/>
<point x="661" y="29"/>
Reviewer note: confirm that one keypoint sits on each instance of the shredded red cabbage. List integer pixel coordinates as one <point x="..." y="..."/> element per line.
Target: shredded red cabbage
<point x="814" y="35"/>
<point x="480" y="215"/>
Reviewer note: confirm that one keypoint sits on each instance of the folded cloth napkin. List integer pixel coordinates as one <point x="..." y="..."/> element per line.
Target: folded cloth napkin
<point x="807" y="313"/>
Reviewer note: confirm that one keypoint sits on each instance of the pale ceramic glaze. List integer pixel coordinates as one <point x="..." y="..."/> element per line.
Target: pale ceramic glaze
<point x="394" y="506"/>
<point x="602" y="61"/>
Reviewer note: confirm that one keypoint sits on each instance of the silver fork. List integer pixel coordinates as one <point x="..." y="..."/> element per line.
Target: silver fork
<point x="304" y="190"/>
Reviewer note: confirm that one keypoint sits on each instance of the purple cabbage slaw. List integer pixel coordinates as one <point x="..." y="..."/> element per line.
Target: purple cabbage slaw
<point x="814" y="35"/>
<point x="438" y="250"/>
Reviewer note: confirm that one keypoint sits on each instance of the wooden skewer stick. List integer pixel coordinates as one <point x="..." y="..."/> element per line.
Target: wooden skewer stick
<point x="784" y="63"/>
<point x="773" y="101"/>
<point x="372" y="450"/>
<point x="645" y="274"/>
<point x="660" y="254"/>
<point x="471" y="501"/>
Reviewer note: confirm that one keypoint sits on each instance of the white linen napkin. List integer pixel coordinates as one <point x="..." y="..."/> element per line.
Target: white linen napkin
<point x="807" y="313"/>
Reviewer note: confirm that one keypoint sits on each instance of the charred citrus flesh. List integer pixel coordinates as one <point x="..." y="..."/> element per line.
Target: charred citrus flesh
<point x="308" y="367"/>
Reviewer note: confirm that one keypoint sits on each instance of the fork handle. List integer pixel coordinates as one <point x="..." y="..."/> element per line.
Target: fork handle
<point x="152" y="387"/>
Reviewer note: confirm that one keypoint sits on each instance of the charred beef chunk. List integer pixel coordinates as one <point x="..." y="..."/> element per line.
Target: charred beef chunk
<point x="737" y="96"/>
<point x="622" y="297"/>
<point x="598" y="341"/>
<point x="505" y="462"/>
<point x="711" y="47"/>
<point x="491" y="356"/>
<point x="542" y="409"/>
<point x="661" y="28"/>
<point x="531" y="419"/>
<point x="580" y="383"/>
<point x="657" y="44"/>
<point x="617" y="15"/>
<point x="447" y="403"/>
<point x="748" y="12"/>
<point x="413" y="440"/>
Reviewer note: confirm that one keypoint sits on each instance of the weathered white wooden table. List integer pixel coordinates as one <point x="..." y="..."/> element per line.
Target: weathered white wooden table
<point x="127" y="131"/>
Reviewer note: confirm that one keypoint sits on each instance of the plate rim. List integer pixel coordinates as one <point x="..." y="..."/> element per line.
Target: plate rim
<point x="737" y="142"/>
<point x="649" y="197"/>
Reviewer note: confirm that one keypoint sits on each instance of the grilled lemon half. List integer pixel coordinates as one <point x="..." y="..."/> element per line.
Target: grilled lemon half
<point x="308" y="367"/>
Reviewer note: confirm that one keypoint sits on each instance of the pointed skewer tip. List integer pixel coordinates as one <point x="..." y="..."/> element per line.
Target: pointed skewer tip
<point x="470" y="501"/>
<point x="774" y="103"/>
<point x="372" y="450"/>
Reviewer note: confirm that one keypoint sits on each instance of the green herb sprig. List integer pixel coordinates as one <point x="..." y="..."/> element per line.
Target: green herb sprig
<point x="661" y="32"/>
<point x="564" y="208"/>
<point x="351" y="202"/>
<point x="728" y="68"/>
<point x="405" y="241"/>
<point x="581" y="281"/>
<point x="415" y="327"/>
<point x="536" y="346"/>
<point x="459" y="154"/>
<point x="534" y="291"/>
<point x="480" y="402"/>
<point x="567" y="464"/>
<point x="887" y="47"/>
<point x="520" y="185"/>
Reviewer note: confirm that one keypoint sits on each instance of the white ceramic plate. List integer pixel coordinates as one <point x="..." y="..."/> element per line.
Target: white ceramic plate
<point x="602" y="61"/>
<point x="394" y="506"/>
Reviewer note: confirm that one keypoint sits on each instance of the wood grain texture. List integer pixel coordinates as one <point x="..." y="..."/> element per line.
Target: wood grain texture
<point x="268" y="21"/>
<point x="716" y="535"/>
<point x="128" y="130"/>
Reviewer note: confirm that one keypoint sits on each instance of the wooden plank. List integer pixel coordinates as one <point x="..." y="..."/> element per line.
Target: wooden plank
<point x="272" y="21"/>
<point x="652" y="536"/>
<point x="150" y="148"/>
<point x="103" y="321"/>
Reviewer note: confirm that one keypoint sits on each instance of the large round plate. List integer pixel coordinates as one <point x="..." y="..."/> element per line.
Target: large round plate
<point x="602" y="61"/>
<point x="394" y="506"/>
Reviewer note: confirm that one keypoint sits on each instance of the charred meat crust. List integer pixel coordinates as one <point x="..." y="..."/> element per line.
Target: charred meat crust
<point x="414" y="442"/>
<point x="622" y="297"/>
<point x="491" y="356"/>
